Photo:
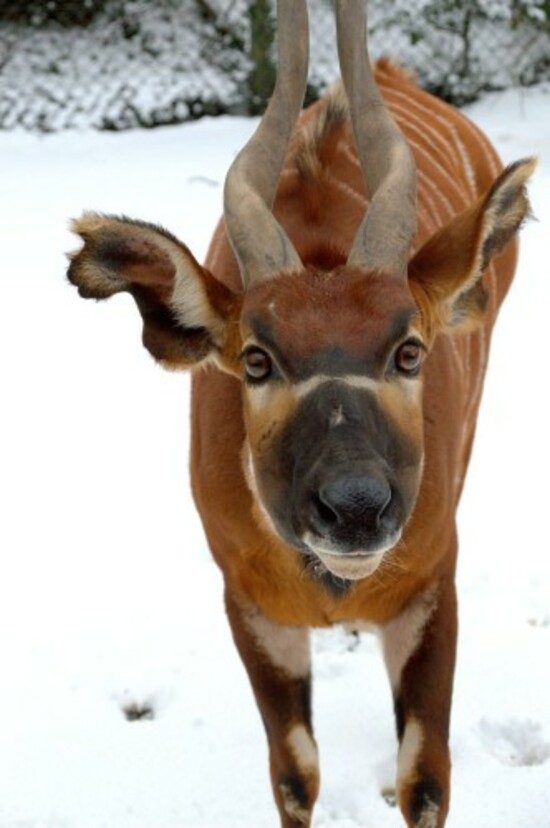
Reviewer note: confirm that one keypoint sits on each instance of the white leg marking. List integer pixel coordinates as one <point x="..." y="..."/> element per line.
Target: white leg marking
<point x="409" y="753"/>
<point x="429" y="816"/>
<point x="303" y="748"/>
<point x="286" y="648"/>
<point x="402" y="635"/>
<point x="293" y="808"/>
<point x="407" y="763"/>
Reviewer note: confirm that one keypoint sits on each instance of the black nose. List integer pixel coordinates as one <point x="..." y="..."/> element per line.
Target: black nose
<point x="349" y="503"/>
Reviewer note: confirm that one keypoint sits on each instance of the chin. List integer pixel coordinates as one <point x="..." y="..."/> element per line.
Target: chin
<point x="351" y="567"/>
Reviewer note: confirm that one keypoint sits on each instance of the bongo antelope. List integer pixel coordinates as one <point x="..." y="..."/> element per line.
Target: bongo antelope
<point x="342" y="324"/>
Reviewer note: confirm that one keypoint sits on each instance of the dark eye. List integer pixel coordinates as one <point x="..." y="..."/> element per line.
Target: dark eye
<point x="257" y="364"/>
<point x="408" y="357"/>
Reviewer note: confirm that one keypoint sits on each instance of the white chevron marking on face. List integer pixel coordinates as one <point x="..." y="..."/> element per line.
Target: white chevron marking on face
<point x="263" y="394"/>
<point x="305" y="387"/>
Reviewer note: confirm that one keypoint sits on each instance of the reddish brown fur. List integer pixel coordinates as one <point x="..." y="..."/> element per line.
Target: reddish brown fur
<point x="303" y="310"/>
<point x="214" y="391"/>
<point x="321" y="219"/>
<point x="193" y="314"/>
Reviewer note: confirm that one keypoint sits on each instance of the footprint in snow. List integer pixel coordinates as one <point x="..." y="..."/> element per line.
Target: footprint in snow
<point x="515" y="742"/>
<point x="136" y="708"/>
<point x="135" y="711"/>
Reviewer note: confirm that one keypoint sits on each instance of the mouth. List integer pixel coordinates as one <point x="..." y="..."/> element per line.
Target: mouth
<point x="353" y="566"/>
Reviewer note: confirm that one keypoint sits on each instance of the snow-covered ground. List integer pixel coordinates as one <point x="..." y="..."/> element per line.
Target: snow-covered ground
<point x="108" y="597"/>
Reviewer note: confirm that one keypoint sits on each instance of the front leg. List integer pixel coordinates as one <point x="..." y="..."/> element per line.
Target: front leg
<point x="277" y="660"/>
<point x="419" y="649"/>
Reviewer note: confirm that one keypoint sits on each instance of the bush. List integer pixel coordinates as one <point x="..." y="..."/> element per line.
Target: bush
<point x="119" y="64"/>
<point x="460" y="48"/>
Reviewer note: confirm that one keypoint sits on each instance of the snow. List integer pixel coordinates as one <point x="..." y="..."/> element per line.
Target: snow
<point x="108" y="596"/>
<point x="134" y="64"/>
<point x="143" y="64"/>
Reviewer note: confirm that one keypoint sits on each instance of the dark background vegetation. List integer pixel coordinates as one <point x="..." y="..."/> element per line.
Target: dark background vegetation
<point x="118" y="64"/>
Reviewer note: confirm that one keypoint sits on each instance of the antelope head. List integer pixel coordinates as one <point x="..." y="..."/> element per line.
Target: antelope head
<point x="330" y="361"/>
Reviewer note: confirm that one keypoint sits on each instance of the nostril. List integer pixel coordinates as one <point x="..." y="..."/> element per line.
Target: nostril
<point x="385" y="508"/>
<point x="323" y="511"/>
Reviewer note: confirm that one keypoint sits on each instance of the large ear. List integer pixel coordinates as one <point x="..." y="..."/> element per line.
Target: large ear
<point x="185" y="310"/>
<point x="445" y="274"/>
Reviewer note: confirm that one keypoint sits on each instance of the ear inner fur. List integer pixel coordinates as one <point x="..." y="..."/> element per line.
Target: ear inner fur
<point x="184" y="308"/>
<point x="445" y="274"/>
